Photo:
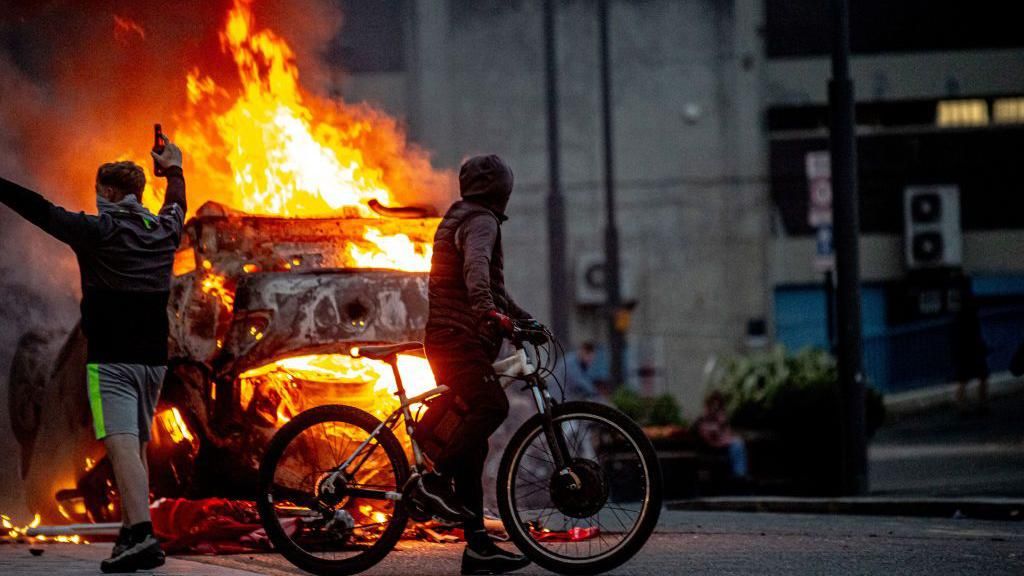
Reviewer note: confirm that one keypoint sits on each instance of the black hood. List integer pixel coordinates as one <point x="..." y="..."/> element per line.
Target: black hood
<point x="486" y="180"/>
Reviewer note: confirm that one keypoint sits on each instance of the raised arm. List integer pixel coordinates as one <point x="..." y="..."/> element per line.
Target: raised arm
<point x="170" y="161"/>
<point x="73" y="228"/>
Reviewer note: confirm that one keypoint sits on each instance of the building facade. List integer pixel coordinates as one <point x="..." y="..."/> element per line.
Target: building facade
<point x="715" y="104"/>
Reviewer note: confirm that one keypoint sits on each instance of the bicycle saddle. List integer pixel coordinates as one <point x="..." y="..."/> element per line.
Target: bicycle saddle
<point x="388" y="351"/>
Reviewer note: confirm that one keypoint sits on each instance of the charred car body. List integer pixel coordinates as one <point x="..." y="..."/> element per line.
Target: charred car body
<point x="261" y="309"/>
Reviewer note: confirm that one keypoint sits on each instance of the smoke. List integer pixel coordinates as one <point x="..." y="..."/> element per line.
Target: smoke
<point x="30" y="298"/>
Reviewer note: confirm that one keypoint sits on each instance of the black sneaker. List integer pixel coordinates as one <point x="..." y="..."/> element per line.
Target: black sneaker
<point x="144" y="555"/>
<point x="124" y="540"/>
<point x="434" y="493"/>
<point x="490" y="559"/>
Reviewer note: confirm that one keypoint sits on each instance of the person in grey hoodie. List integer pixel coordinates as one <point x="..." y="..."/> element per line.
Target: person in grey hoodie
<point x="125" y="254"/>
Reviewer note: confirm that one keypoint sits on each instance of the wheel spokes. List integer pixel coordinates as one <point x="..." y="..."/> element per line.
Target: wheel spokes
<point x="576" y="531"/>
<point x="327" y="514"/>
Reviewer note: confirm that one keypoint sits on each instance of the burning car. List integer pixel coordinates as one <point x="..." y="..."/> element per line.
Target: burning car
<point x="267" y="316"/>
<point x="310" y="240"/>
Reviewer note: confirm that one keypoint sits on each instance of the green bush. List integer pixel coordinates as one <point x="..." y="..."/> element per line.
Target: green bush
<point x="795" y="399"/>
<point x="777" y="390"/>
<point x="658" y="411"/>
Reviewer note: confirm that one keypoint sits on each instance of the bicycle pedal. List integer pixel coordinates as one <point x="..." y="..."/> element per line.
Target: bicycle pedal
<point x="416" y="512"/>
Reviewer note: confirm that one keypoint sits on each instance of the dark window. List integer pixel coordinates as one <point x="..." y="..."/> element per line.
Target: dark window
<point x="371" y="37"/>
<point x="984" y="163"/>
<point x="798" y="28"/>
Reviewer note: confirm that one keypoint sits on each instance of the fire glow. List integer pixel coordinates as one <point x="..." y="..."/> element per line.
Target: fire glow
<point x="257" y="142"/>
<point x="301" y="382"/>
<point x="267" y="147"/>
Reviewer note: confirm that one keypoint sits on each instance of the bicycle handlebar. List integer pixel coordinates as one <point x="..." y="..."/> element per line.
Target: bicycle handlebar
<point x="531" y="335"/>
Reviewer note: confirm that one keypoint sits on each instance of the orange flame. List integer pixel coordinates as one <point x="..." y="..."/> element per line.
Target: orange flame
<point x="267" y="147"/>
<point x="302" y="382"/>
<point x="214" y="285"/>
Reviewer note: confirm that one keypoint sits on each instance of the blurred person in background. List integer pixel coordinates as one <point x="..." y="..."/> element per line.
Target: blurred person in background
<point x="579" y="379"/>
<point x="970" y="352"/>
<point x="714" y="431"/>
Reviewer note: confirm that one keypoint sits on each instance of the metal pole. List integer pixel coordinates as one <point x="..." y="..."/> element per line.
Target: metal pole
<point x="842" y="140"/>
<point x="556" y="204"/>
<point x="616" y="339"/>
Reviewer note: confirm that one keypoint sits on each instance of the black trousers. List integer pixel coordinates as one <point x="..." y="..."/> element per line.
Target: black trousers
<point x="463" y="363"/>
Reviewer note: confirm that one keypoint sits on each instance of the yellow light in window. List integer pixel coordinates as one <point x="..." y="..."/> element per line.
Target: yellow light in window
<point x="1008" y="111"/>
<point x="962" y="113"/>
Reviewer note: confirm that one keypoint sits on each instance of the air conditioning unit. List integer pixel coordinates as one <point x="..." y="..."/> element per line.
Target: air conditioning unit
<point x="590" y="280"/>
<point x="931" y="227"/>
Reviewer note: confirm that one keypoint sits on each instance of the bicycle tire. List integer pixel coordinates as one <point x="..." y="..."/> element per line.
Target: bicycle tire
<point x="282" y="543"/>
<point x="649" y="515"/>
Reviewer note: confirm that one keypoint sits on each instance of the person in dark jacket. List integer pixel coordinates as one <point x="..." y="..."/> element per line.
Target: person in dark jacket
<point x="125" y="254"/>
<point x="470" y="311"/>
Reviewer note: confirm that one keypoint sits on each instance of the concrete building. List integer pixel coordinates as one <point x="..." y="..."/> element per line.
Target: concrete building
<point x="939" y="88"/>
<point x="702" y="90"/>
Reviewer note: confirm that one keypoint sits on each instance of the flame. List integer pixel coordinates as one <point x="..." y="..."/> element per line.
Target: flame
<point x="214" y="285"/>
<point x="395" y="252"/>
<point x="175" y="426"/>
<point x="20" y="533"/>
<point x="280" y="390"/>
<point x="263" y="145"/>
<point x="295" y="384"/>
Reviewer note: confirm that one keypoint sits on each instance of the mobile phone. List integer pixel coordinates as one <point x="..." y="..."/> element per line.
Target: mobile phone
<point x="159" y="142"/>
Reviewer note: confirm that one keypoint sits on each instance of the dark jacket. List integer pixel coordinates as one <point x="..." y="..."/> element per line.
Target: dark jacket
<point x="467" y="277"/>
<point x="125" y="255"/>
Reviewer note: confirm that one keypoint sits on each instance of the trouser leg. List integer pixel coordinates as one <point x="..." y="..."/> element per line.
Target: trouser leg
<point x="738" y="458"/>
<point x="469" y="485"/>
<point x="488" y="408"/>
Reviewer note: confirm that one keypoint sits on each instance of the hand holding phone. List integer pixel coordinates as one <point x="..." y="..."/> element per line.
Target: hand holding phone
<point x="159" y="143"/>
<point x="165" y="153"/>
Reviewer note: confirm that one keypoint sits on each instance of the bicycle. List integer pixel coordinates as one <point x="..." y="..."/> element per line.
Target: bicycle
<point x="579" y="485"/>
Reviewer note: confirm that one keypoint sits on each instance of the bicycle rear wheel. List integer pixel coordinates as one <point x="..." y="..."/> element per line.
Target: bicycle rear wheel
<point x="326" y="523"/>
<point x="597" y="514"/>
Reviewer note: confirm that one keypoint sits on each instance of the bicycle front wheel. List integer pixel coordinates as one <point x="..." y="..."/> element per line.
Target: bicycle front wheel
<point x="597" y="513"/>
<point x="323" y="521"/>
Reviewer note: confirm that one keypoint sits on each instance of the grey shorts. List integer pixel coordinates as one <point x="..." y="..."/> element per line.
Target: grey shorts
<point x="123" y="397"/>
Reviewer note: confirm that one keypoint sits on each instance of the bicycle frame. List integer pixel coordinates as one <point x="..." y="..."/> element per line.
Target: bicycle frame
<point x="520" y="369"/>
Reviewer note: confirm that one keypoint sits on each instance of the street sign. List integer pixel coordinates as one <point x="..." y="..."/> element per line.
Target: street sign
<point x="818" y="167"/>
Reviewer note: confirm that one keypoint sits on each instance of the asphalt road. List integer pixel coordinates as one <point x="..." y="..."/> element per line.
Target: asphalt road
<point x="943" y="453"/>
<point x="760" y="544"/>
<point x="721" y="543"/>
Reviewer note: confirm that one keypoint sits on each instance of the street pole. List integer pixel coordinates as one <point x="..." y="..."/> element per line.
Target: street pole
<point x="556" y="203"/>
<point x="842" y="145"/>
<point x="616" y="339"/>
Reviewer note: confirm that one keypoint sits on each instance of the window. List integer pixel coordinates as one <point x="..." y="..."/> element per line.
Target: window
<point x="961" y="113"/>
<point x="1008" y="111"/>
<point x="802" y="28"/>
